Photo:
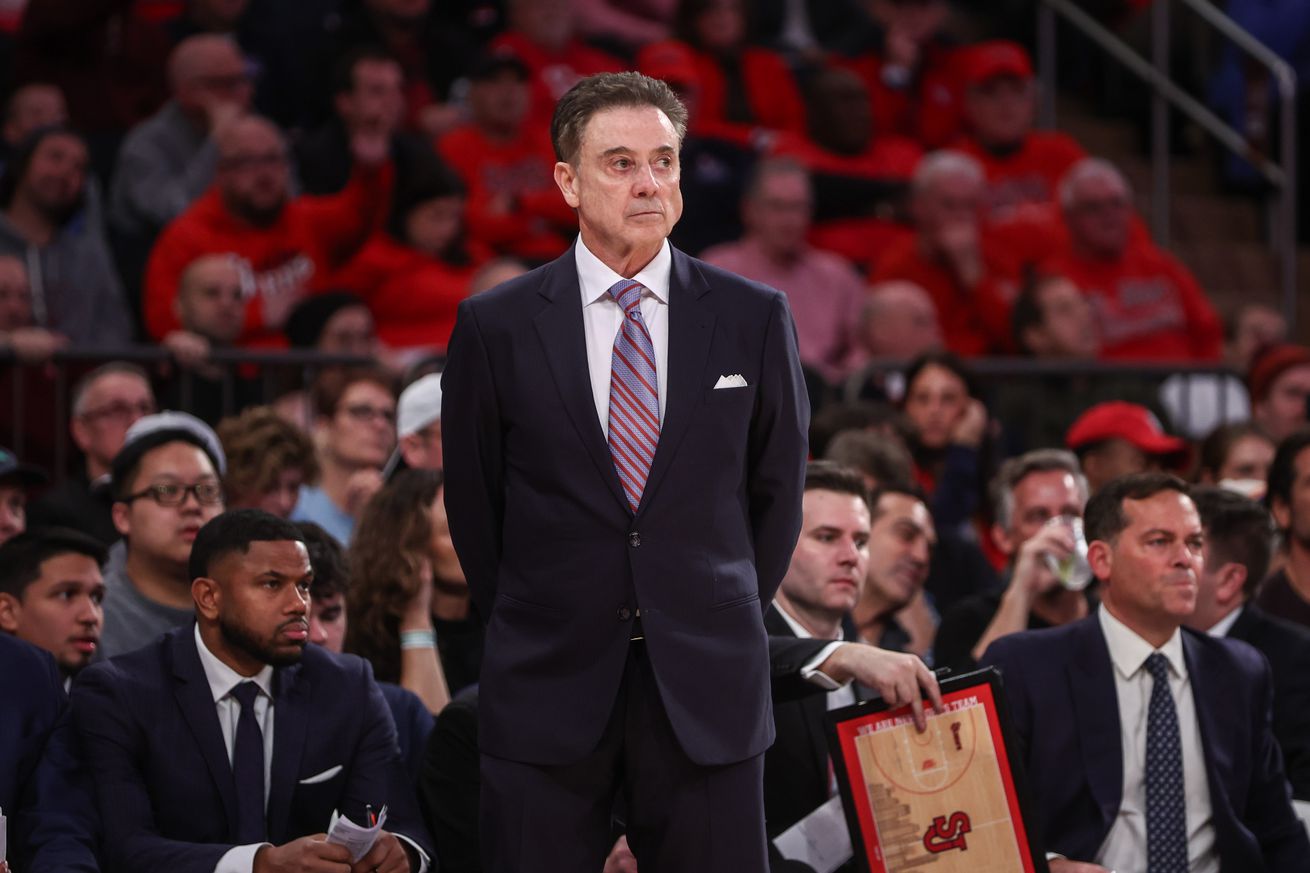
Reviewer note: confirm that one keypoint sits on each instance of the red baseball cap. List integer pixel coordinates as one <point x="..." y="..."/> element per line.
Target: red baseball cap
<point x="1116" y="419"/>
<point x="991" y="60"/>
<point x="670" y="60"/>
<point x="1269" y="364"/>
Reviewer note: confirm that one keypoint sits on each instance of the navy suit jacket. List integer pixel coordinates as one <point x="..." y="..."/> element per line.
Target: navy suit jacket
<point x="51" y="821"/>
<point x="165" y="788"/>
<point x="1060" y="686"/>
<point x="555" y="559"/>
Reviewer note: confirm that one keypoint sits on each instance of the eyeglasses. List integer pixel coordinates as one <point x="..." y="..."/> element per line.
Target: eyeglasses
<point x="121" y="410"/>
<point x="364" y="412"/>
<point x="169" y="494"/>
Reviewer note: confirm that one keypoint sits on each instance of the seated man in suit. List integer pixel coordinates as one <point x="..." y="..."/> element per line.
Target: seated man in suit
<point x="49" y="811"/>
<point x="1239" y="541"/>
<point x="818" y="592"/>
<point x="1142" y="739"/>
<point x="200" y="743"/>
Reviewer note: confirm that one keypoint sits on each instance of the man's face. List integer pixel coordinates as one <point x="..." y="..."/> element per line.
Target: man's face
<point x="362" y="432"/>
<point x="377" y="100"/>
<point x="1067" y="329"/>
<point x="951" y="201"/>
<point x="902" y="322"/>
<point x="350" y="331"/>
<point x="1038" y="498"/>
<point x="445" y="563"/>
<point x="721" y="25"/>
<point x="327" y="622"/>
<point x="210" y="301"/>
<point x="500" y="102"/>
<point x="264" y="609"/>
<point x="60" y="611"/>
<point x="1293" y="515"/>
<point x="1000" y="110"/>
<point x="778" y="214"/>
<point x="1115" y="458"/>
<point x="1282" y="412"/>
<point x="13" y="510"/>
<point x="1151" y="568"/>
<point x="625" y="186"/>
<point x="217" y="76"/>
<point x="1099" y="216"/>
<point x="900" y="548"/>
<point x="165" y="533"/>
<point x="831" y="557"/>
<point x="253" y="173"/>
<point x="15" y="295"/>
<point x="110" y="406"/>
<point x="422" y="449"/>
<point x="56" y="176"/>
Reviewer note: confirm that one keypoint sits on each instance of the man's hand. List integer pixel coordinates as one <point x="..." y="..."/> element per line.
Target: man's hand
<point x="621" y="859"/>
<point x="1032" y="575"/>
<point x="33" y="345"/>
<point x="388" y="855"/>
<point x="190" y="349"/>
<point x="221" y="113"/>
<point x="971" y="427"/>
<point x="960" y="247"/>
<point x="305" y="855"/>
<point x="1064" y="865"/>
<point x="897" y="677"/>
<point x="370" y="148"/>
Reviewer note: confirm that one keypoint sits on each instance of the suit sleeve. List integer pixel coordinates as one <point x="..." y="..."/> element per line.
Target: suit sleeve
<point x="779" y="445"/>
<point x="113" y="741"/>
<point x="787" y="656"/>
<point x="58" y="811"/>
<point x="1269" y="812"/>
<point x="471" y="437"/>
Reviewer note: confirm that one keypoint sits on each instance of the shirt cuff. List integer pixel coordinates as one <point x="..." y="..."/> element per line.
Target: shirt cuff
<point x="422" y="855"/>
<point x="810" y="671"/>
<point x="239" y="859"/>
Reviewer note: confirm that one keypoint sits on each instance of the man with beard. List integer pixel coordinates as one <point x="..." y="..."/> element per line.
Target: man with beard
<point x="285" y="247"/>
<point x="200" y="743"/>
<point x="73" y="281"/>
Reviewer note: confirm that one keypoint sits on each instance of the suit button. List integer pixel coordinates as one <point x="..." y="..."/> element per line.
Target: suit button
<point x="624" y="613"/>
<point x="634" y="539"/>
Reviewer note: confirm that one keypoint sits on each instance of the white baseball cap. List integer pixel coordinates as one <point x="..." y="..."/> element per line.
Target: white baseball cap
<point x="419" y="405"/>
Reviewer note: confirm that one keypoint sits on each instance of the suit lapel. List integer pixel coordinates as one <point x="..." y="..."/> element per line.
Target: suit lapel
<point x="196" y="701"/>
<point x="290" y="724"/>
<point x="1096" y="710"/>
<point x="564" y="347"/>
<point x="691" y="327"/>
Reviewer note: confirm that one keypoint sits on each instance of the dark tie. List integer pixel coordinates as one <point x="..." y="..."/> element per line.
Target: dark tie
<point x="248" y="768"/>
<point x="634" y="423"/>
<point x="1166" y="812"/>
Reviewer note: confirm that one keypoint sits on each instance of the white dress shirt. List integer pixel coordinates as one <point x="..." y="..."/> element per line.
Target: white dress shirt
<point x="222" y="680"/>
<point x="1124" y="849"/>
<point x="1225" y="624"/>
<point x="602" y="317"/>
<point x="839" y="694"/>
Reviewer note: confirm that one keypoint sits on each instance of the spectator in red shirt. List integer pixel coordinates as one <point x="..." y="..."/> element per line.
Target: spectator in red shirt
<point x="825" y="292"/>
<point x="1023" y="166"/>
<point x="541" y="34"/>
<point x="740" y="84"/>
<point x="1148" y="306"/>
<point x="912" y="72"/>
<point x="508" y="166"/>
<point x="971" y="283"/>
<point x="287" y="247"/>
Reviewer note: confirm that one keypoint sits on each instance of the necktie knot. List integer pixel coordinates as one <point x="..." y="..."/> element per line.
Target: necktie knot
<point x="1158" y="666"/>
<point x="627" y="293"/>
<point x="245" y="694"/>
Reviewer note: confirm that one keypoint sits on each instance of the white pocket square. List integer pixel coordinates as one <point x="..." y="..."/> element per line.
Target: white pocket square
<point x="733" y="381"/>
<point x="321" y="777"/>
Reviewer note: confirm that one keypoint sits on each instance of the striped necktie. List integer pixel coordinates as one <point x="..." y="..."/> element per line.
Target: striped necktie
<point x="634" y="422"/>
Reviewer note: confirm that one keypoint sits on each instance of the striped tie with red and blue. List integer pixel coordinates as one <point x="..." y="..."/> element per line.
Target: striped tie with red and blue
<point x="634" y="422"/>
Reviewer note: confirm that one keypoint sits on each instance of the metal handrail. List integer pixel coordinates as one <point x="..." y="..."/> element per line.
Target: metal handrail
<point x="1155" y="73"/>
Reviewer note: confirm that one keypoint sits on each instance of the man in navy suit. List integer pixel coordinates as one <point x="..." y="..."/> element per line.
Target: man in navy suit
<point x="228" y="744"/>
<point x="1145" y="741"/>
<point x="50" y="817"/>
<point x="625" y="442"/>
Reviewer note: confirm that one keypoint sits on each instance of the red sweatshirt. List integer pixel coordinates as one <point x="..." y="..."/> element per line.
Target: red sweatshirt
<point x="312" y="237"/>
<point x="1147" y="305"/>
<point x="927" y="109"/>
<point x="552" y="74"/>
<point x="772" y="95"/>
<point x="1031" y="174"/>
<point x="514" y="206"/>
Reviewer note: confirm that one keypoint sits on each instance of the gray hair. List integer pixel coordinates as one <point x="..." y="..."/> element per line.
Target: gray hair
<point x="610" y="91"/>
<point x="1015" y="470"/>
<point x="84" y="385"/>
<point x="1085" y="170"/>
<point x="944" y="163"/>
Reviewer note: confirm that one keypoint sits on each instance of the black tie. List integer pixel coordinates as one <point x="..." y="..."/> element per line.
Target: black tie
<point x="248" y="768"/>
<point x="1166" y="801"/>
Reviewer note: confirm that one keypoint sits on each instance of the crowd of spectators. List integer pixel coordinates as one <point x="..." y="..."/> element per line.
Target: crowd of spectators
<point x="337" y="176"/>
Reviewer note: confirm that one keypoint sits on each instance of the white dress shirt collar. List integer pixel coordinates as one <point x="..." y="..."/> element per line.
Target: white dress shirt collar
<point x="222" y="678"/>
<point x="1225" y="624"/>
<point x="799" y="629"/>
<point x="1129" y="651"/>
<point x="595" y="278"/>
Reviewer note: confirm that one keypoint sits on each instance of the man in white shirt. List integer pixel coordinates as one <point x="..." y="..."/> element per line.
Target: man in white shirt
<point x="1148" y="746"/>
<point x="200" y="744"/>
